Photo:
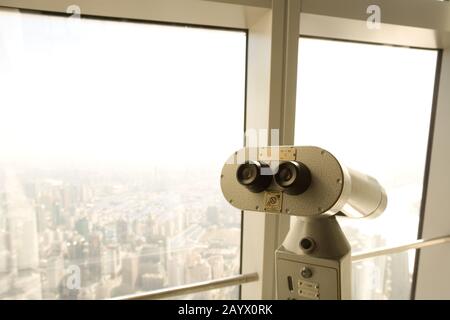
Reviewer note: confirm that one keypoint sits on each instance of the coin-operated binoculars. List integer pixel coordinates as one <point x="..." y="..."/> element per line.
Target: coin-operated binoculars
<point x="311" y="185"/>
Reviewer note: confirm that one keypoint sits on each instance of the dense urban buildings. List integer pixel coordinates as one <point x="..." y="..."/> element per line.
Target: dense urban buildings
<point x="87" y="236"/>
<point x="92" y="235"/>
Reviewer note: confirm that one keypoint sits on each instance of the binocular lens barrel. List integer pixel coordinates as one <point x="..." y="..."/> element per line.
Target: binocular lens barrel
<point x="294" y="177"/>
<point x="250" y="174"/>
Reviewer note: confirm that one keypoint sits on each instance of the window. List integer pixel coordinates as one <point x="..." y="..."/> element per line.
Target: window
<point x="370" y="105"/>
<point x="112" y="138"/>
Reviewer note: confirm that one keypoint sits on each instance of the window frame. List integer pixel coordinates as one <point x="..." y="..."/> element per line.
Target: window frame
<point x="272" y="26"/>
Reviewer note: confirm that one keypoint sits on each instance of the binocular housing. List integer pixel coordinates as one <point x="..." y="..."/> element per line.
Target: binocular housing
<point x="299" y="181"/>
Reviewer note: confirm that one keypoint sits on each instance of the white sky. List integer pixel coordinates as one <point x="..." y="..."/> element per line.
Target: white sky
<point x="109" y="93"/>
<point x="370" y="106"/>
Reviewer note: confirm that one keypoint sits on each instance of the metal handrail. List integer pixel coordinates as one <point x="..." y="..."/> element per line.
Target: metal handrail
<point x="422" y="243"/>
<point x="252" y="277"/>
<point x="194" y="288"/>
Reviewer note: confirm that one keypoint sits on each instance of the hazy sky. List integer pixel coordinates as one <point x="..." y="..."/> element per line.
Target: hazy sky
<point x="370" y="106"/>
<point x="101" y="92"/>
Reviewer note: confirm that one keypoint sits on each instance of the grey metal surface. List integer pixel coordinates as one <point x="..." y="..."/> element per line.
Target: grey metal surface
<point x="328" y="261"/>
<point x="334" y="188"/>
<point x="321" y="284"/>
<point x="323" y="194"/>
<point x="366" y="199"/>
<point x="193" y="288"/>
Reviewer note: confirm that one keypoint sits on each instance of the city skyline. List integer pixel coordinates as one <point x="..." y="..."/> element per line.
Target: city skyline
<point x="125" y="237"/>
<point x="122" y="240"/>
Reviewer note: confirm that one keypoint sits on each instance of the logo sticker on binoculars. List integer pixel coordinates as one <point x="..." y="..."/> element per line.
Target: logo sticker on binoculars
<point x="273" y="201"/>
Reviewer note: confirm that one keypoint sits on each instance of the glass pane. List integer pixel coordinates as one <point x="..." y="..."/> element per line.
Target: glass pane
<point x="370" y="105"/>
<point x="383" y="277"/>
<point x="112" y="138"/>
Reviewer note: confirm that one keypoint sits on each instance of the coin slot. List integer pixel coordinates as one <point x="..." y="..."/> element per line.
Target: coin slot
<point x="290" y="284"/>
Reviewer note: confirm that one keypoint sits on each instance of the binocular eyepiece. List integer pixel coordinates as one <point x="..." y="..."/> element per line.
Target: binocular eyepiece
<point x="254" y="175"/>
<point x="292" y="177"/>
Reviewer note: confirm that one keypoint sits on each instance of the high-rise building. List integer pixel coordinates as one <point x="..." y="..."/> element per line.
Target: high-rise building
<point x="217" y="266"/>
<point x="111" y="261"/>
<point x="399" y="276"/>
<point x="42" y="218"/>
<point x="57" y="215"/>
<point x="4" y="253"/>
<point x="21" y="221"/>
<point x="152" y="281"/>
<point x="130" y="271"/>
<point x="175" y="270"/>
<point x="95" y="251"/>
<point x="199" y="270"/>
<point x="4" y="262"/>
<point x="54" y="271"/>
<point x="212" y="216"/>
<point x="22" y="239"/>
<point x="362" y="281"/>
<point x="82" y="227"/>
<point x="5" y="285"/>
<point x="123" y="234"/>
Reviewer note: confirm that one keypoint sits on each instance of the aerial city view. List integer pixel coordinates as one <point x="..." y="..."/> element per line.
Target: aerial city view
<point x="88" y="235"/>
<point x="91" y="236"/>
